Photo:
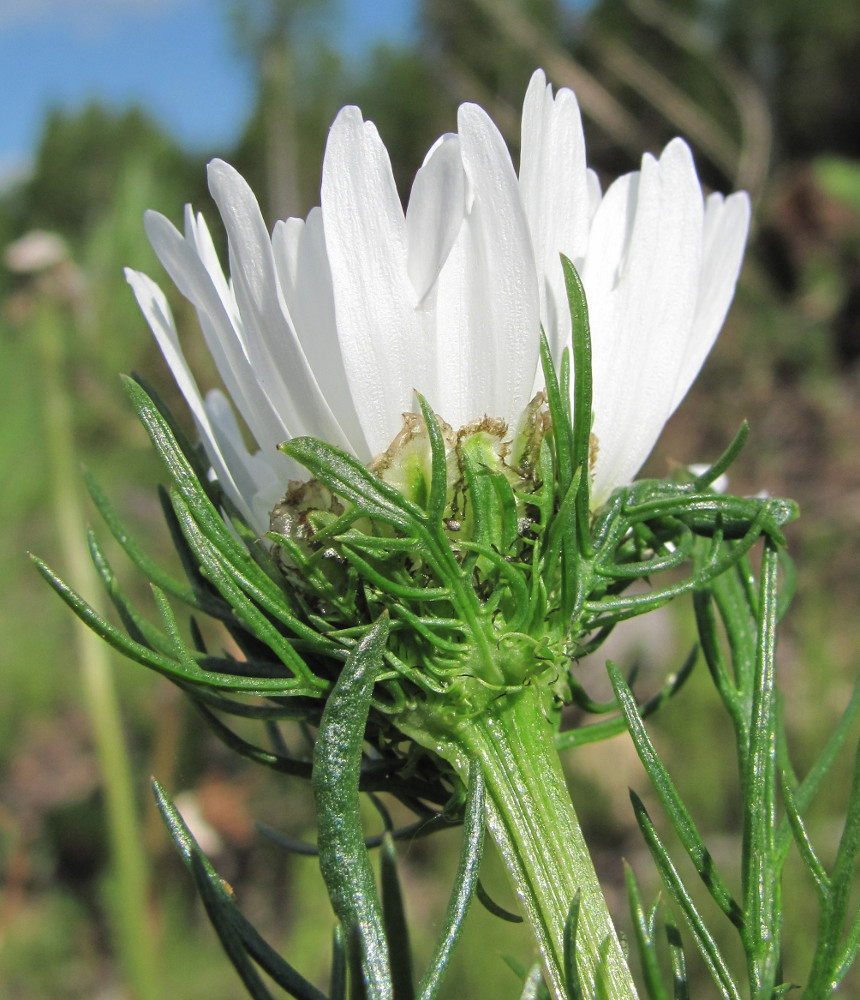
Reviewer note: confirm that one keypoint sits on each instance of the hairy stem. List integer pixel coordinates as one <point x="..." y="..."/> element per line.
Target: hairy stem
<point x="533" y="822"/>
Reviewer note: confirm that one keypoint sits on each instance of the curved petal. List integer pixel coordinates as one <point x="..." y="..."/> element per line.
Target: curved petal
<point x="557" y="195"/>
<point x="197" y="234"/>
<point x="223" y="336"/>
<point x="274" y="352"/>
<point x="726" y="227"/>
<point x="437" y="205"/>
<point x="642" y="279"/>
<point x="261" y="478"/>
<point x="385" y="350"/>
<point x="305" y="279"/>
<point x="505" y="327"/>
<point x="154" y="306"/>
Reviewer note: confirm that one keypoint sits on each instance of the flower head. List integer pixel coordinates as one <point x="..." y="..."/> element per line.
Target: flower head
<point x="327" y="327"/>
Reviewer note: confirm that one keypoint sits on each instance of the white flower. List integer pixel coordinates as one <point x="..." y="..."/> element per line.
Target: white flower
<point x="328" y="327"/>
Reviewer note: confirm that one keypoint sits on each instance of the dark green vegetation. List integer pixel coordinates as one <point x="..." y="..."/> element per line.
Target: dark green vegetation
<point x="787" y="361"/>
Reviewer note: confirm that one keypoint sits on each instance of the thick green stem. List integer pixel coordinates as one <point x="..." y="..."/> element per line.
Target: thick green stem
<point x="533" y="822"/>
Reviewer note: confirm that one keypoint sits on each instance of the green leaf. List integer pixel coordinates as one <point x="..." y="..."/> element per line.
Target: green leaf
<point x="680" y="982"/>
<point x="805" y="792"/>
<point x="438" y="498"/>
<point x="677" y="890"/>
<point x="612" y="609"/>
<point x="727" y="458"/>
<point x="563" y="438"/>
<point x="182" y="472"/>
<point x="706" y="622"/>
<point x="351" y="481"/>
<point x="464" y="885"/>
<point x="139" y="628"/>
<point x="582" y="392"/>
<point x="643" y="935"/>
<point x="394" y="918"/>
<point x="804" y="844"/>
<point x="223" y="574"/>
<point x="572" y="983"/>
<point x="613" y="727"/>
<point x="671" y="800"/>
<point x="337" y="975"/>
<point x="832" y="959"/>
<point x="561" y="426"/>
<point x="344" y="860"/>
<point x="278" y="762"/>
<point x="238" y="936"/>
<point x="213" y="902"/>
<point x="493" y="907"/>
<point x="760" y="868"/>
<point x="849" y="952"/>
<point x="136" y="554"/>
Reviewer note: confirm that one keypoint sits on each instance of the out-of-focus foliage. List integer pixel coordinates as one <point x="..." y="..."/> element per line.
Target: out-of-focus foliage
<point x="83" y="162"/>
<point x="805" y="54"/>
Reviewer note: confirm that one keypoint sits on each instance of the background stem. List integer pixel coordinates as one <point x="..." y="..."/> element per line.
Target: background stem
<point x="133" y="932"/>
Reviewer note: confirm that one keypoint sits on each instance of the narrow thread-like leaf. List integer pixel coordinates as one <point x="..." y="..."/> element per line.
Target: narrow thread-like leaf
<point x="677" y="812"/>
<point x="582" y="394"/>
<point x="239" y="937"/>
<point x="597" y="731"/>
<point x="831" y="959"/>
<point x="760" y="877"/>
<point x="680" y="982"/>
<point x="644" y="937"/>
<point x="677" y="890"/>
<point x="804" y="844"/>
<point x="396" y="927"/>
<point x="493" y="907"/>
<point x="572" y="983"/>
<point x="464" y="885"/>
<point x="439" y="467"/>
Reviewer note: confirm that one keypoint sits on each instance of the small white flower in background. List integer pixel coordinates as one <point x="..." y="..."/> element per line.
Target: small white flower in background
<point x="327" y="327"/>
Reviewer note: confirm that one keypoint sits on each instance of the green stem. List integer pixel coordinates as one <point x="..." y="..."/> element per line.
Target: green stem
<point x="532" y="820"/>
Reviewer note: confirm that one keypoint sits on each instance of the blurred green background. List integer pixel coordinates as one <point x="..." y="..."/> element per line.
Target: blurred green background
<point x="764" y="92"/>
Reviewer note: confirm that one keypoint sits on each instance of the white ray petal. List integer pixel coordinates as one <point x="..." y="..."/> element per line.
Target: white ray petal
<point x="507" y="332"/>
<point x="385" y="352"/>
<point x="643" y="308"/>
<point x="595" y="194"/>
<point x="274" y="351"/>
<point x="557" y="196"/>
<point x="286" y="237"/>
<point x="156" y="311"/>
<point x="437" y="205"/>
<point x="726" y="228"/>
<point x="222" y="337"/>
<point x="457" y="304"/>
<point x="198" y="235"/>
<point x="305" y="277"/>
<point x="262" y="478"/>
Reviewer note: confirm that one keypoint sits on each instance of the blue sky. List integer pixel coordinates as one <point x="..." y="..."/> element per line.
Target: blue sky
<point x="174" y="57"/>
